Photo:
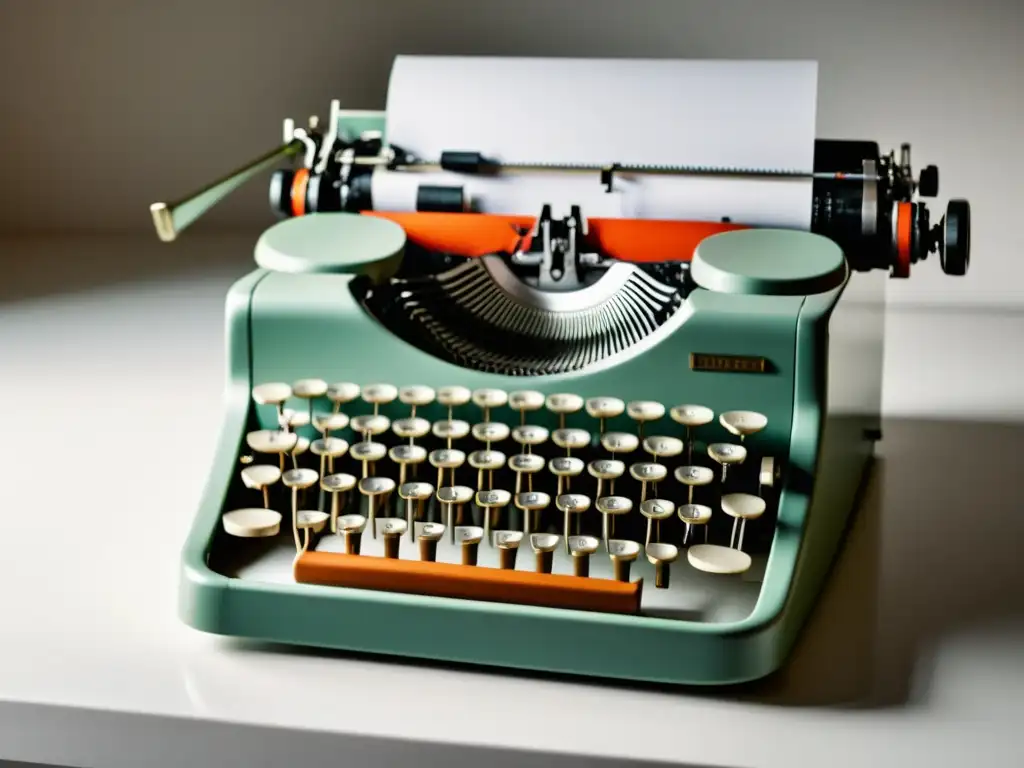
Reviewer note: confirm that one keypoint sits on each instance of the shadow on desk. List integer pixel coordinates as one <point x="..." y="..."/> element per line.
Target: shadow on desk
<point x="932" y="551"/>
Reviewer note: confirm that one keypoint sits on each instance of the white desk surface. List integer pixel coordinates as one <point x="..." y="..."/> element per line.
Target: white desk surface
<point x="111" y="365"/>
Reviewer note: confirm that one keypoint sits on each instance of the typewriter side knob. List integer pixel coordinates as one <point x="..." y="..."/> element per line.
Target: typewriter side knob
<point x="770" y="262"/>
<point x="340" y="243"/>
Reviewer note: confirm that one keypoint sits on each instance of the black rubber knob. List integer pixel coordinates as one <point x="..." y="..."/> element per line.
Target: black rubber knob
<point x="928" y="184"/>
<point x="321" y="194"/>
<point x="281" y="193"/>
<point x="956" y="249"/>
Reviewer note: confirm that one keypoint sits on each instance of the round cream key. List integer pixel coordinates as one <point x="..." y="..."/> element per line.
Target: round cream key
<point x="453" y="397"/>
<point x="489" y="399"/>
<point x="309" y="390"/>
<point x="563" y="404"/>
<point x="529" y="436"/>
<point x="661" y="556"/>
<point x="571" y="505"/>
<point x="368" y="453"/>
<point x="742" y="507"/>
<point x="370" y="425"/>
<point x="604" y="408"/>
<point x="453" y="498"/>
<point x="469" y="537"/>
<point x="727" y="454"/>
<point x="450" y="430"/>
<point x="351" y="528"/>
<point x="416" y="496"/>
<point x="492" y="502"/>
<point x="290" y="419"/>
<point x="619" y="442"/>
<point x="298" y="480"/>
<point x="312" y="519"/>
<point x="605" y="469"/>
<point x="667" y="447"/>
<point x="446" y="459"/>
<point x="392" y="528"/>
<point x="525" y="464"/>
<point x="544" y="545"/>
<point x="644" y="411"/>
<point x="486" y="461"/>
<point x="691" y="417"/>
<point x="656" y="510"/>
<point x="490" y="432"/>
<point x="337" y="484"/>
<point x="405" y="456"/>
<point x="325" y="423"/>
<point x="693" y="477"/>
<point x="252" y="522"/>
<point x="570" y="439"/>
<point x="712" y="558"/>
<point x="743" y="423"/>
<point x="376" y="489"/>
<point x="623" y="553"/>
<point x="260" y="477"/>
<point x="524" y="401"/>
<point x="274" y="393"/>
<point x="531" y="504"/>
<point x="379" y="394"/>
<point x="416" y="396"/>
<point x="507" y="543"/>
<point x="411" y="428"/>
<point x="694" y="514"/>
<point x="328" y="449"/>
<point x="430" y="534"/>
<point x="580" y="549"/>
<point x="645" y="472"/>
<point x="611" y="507"/>
<point x="272" y="441"/>
<point x="342" y="392"/>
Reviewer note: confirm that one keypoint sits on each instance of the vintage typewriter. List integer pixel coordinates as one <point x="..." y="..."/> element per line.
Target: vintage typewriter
<point x="621" y="446"/>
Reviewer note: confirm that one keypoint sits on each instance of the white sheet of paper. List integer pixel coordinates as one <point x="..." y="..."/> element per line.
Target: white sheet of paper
<point x="722" y="114"/>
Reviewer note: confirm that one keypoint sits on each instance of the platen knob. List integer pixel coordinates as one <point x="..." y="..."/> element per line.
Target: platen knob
<point x="955" y="247"/>
<point x="928" y="184"/>
<point x="281" y="193"/>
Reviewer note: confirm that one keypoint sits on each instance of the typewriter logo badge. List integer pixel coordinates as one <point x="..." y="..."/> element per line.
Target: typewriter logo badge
<point x="728" y="363"/>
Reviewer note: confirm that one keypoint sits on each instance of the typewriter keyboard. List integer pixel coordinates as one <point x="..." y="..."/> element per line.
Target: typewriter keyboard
<point x="671" y="518"/>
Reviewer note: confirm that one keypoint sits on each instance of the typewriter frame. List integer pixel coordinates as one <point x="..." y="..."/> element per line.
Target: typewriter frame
<point x="838" y="346"/>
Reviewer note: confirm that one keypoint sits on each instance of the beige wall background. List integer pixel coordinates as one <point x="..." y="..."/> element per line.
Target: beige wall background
<point x="109" y="105"/>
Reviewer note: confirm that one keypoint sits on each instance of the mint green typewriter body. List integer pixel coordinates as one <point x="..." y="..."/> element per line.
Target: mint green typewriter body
<point x="776" y="324"/>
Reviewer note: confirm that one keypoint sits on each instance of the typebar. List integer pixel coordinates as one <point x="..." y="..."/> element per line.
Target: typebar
<point x="438" y="579"/>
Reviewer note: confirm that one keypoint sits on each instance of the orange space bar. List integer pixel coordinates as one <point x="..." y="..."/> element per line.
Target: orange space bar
<point x="469" y="582"/>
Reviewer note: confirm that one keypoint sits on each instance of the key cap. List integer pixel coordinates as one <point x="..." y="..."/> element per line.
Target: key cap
<point x="298" y="480"/>
<point x="490" y="432"/>
<point x="581" y="548"/>
<point x="743" y="423"/>
<point x="430" y="534"/>
<point x="260" y="477"/>
<point x="604" y="408"/>
<point x="645" y="472"/>
<point x="391" y="529"/>
<point x="507" y="543"/>
<point x="328" y="449"/>
<point x="564" y="468"/>
<point x="623" y="554"/>
<point x="661" y="556"/>
<point x="274" y="393"/>
<point x="416" y="496"/>
<point x="531" y="503"/>
<point x="368" y="453"/>
<point x="292" y="420"/>
<point x="450" y="430"/>
<point x="370" y="425"/>
<point x="272" y="441"/>
<point x="469" y="537"/>
<point x="489" y="399"/>
<point x="667" y="447"/>
<point x="525" y="464"/>
<point x="712" y="558"/>
<point x="529" y="436"/>
<point x="606" y="469"/>
<point x="694" y="514"/>
<point x="309" y="390"/>
<point x="252" y="522"/>
<point x="742" y="507"/>
<point x="310" y="521"/>
<point x="524" y="401"/>
<point x="376" y="489"/>
<point x="610" y="507"/>
<point x="570" y="439"/>
<point x="656" y="510"/>
<point x="325" y="423"/>
<point x="351" y="528"/>
<point x="405" y="456"/>
<point x="412" y="428"/>
<point x="487" y="461"/>
<point x="693" y="477"/>
<point x="571" y="505"/>
<point x="563" y="404"/>
<point x="452" y="398"/>
<point x="492" y="502"/>
<point x="544" y="545"/>
<point x="378" y="395"/>
<point x="341" y="393"/>
<point x="337" y="484"/>
<point x="644" y="411"/>
<point x="691" y="417"/>
<point x="619" y="442"/>
<point x="446" y="458"/>
<point x="727" y="454"/>
<point x="452" y="498"/>
<point x="416" y="396"/>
